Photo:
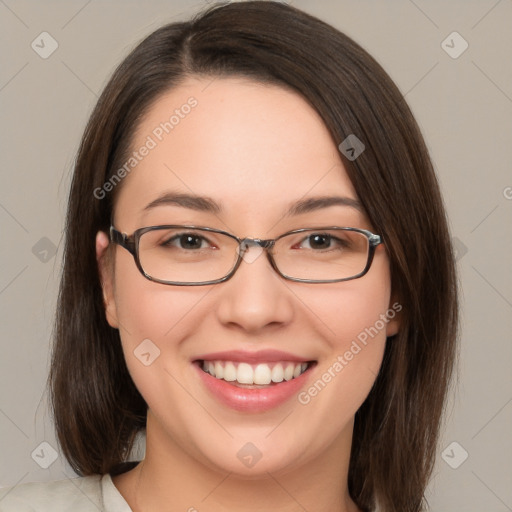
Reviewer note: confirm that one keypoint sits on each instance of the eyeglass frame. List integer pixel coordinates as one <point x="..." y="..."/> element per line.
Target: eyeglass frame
<point x="131" y="244"/>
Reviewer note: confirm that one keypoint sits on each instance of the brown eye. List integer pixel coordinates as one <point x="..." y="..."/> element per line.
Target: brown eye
<point x="319" y="241"/>
<point x="185" y="241"/>
<point x="323" y="241"/>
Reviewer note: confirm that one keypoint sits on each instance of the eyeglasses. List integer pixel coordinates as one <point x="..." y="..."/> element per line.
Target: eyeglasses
<point x="193" y="256"/>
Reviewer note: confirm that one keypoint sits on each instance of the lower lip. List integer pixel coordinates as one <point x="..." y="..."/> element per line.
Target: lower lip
<point x="253" y="400"/>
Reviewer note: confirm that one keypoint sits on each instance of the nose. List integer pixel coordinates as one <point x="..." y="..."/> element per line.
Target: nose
<point x="255" y="298"/>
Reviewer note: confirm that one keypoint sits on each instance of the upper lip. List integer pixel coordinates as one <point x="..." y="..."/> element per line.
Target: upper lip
<point x="252" y="357"/>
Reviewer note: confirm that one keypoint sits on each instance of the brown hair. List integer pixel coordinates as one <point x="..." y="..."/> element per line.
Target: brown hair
<point x="97" y="408"/>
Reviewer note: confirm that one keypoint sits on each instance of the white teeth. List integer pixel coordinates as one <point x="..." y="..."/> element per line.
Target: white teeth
<point x="277" y="373"/>
<point x="229" y="372"/>
<point x="245" y="374"/>
<point x="219" y="370"/>
<point x="288" y="372"/>
<point x="261" y="374"/>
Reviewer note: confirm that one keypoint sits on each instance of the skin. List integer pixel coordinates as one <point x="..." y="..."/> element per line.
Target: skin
<point x="254" y="149"/>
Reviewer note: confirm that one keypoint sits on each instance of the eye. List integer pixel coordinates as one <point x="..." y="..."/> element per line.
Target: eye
<point x="187" y="241"/>
<point x="322" y="241"/>
<point x="318" y="241"/>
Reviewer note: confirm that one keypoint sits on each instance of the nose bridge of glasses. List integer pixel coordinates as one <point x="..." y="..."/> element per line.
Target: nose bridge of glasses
<point x="257" y="246"/>
<point x="256" y="242"/>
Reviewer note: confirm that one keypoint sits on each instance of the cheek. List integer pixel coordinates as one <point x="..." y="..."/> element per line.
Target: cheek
<point x="151" y="316"/>
<point x="345" y="376"/>
<point x="348" y="311"/>
<point x="354" y="348"/>
<point x="352" y="318"/>
<point x="146" y="309"/>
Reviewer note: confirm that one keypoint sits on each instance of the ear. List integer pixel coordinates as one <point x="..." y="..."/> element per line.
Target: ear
<point x="106" y="271"/>
<point x="394" y="317"/>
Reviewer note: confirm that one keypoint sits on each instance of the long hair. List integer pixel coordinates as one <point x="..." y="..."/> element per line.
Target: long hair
<point x="97" y="409"/>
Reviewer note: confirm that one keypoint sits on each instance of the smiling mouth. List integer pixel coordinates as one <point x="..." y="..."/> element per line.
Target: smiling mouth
<point x="254" y="376"/>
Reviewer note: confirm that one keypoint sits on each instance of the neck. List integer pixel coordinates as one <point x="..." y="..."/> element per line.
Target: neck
<point x="169" y="475"/>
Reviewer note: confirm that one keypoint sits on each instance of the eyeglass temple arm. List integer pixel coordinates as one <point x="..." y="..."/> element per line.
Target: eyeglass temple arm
<point x="122" y="239"/>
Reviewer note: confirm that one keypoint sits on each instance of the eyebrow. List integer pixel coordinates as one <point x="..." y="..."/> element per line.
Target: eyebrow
<point x="206" y="204"/>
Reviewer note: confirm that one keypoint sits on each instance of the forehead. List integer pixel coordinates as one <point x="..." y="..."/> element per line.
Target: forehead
<point x="251" y="147"/>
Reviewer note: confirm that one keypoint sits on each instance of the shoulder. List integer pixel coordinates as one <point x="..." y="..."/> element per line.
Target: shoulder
<point x="81" y="494"/>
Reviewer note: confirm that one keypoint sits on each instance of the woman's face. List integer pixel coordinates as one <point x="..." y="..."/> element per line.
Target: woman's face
<point x="254" y="150"/>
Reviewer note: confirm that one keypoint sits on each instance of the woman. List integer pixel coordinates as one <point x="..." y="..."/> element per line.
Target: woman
<point x="258" y="276"/>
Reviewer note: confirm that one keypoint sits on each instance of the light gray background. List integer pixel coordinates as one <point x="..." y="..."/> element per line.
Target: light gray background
<point x="463" y="105"/>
